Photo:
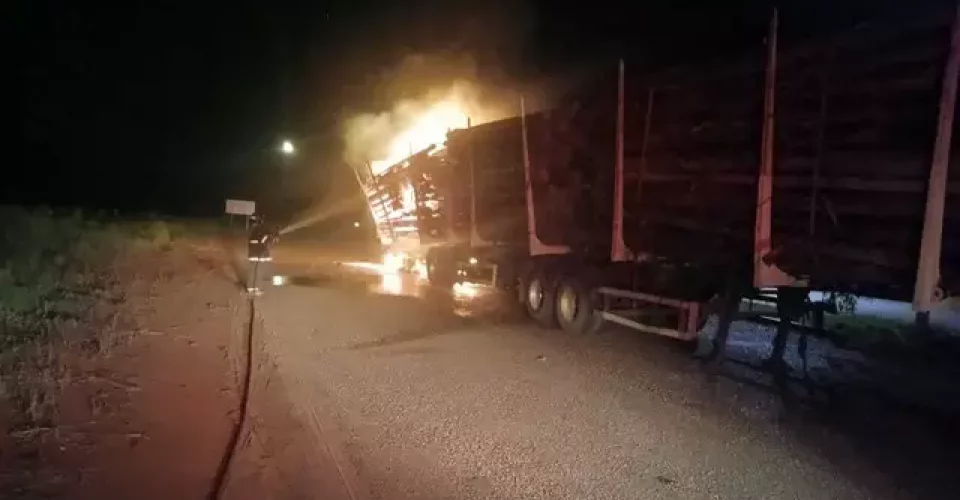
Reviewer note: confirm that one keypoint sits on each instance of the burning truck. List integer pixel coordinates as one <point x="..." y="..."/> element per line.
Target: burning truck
<point x="406" y="192"/>
<point x="655" y="200"/>
<point x="405" y="206"/>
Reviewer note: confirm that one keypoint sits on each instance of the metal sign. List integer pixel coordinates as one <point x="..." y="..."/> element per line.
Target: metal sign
<point x="240" y="207"/>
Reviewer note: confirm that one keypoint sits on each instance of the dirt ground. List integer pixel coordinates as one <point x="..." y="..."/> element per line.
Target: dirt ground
<point x="517" y="413"/>
<point x="152" y="416"/>
<point x="274" y="459"/>
<point x="428" y="401"/>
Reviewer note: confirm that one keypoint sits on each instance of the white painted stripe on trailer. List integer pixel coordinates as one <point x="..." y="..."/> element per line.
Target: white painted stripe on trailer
<point x="629" y="323"/>
<point x="627" y="294"/>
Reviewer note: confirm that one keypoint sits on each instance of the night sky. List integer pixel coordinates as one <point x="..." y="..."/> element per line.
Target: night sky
<point x="172" y="106"/>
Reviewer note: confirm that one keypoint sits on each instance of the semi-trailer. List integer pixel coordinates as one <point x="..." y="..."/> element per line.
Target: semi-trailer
<point x="655" y="200"/>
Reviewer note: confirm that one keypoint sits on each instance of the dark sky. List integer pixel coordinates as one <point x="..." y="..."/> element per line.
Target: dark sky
<point x="172" y="106"/>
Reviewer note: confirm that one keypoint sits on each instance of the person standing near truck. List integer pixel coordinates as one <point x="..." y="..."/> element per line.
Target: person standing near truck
<point x="262" y="237"/>
<point x="259" y="242"/>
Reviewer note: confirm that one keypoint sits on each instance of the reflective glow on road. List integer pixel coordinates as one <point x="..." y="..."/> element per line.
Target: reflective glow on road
<point x="391" y="283"/>
<point x="393" y="261"/>
<point x="414" y="283"/>
<point x="467" y="290"/>
<point x="368" y="266"/>
<point x="392" y="280"/>
<point x="420" y="269"/>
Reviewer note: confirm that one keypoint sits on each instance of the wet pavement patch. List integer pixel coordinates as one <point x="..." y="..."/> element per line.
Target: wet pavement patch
<point x="310" y="280"/>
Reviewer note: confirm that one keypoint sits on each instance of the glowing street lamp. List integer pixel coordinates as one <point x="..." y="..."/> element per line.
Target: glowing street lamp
<point x="287" y="148"/>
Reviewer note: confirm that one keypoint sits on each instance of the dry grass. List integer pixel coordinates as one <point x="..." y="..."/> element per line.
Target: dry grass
<point x="63" y="281"/>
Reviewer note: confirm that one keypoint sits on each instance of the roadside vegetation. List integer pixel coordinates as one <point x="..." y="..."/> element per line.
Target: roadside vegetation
<point x="62" y="277"/>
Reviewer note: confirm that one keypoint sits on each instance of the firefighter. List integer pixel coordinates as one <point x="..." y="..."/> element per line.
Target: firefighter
<point x="261" y="238"/>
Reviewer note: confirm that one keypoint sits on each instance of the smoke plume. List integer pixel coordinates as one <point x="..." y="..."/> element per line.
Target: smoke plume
<point x="415" y="86"/>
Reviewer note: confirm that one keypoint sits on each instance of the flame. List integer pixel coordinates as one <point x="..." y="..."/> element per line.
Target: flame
<point x="393" y="262"/>
<point x="428" y="129"/>
<point x="409" y="197"/>
<point x="391" y="283"/>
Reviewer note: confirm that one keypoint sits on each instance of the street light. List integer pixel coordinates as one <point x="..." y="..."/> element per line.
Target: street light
<point x="287" y="148"/>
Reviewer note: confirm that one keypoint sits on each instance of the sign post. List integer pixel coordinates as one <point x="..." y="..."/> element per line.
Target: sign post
<point x="240" y="207"/>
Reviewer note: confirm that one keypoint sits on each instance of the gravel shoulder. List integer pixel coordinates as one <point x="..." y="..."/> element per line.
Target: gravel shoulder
<point x="420" y="402"/>
<point x="276" y="457"/>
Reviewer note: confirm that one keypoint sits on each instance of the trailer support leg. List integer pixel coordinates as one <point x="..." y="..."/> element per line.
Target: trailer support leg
<point x="921" y="323"/>
<point x="802" y="347"/>
<point x="779" y="342"/>
<point x="790" y="307"/>
<point x="775" y="363"/>
<point x="729" y="305"/>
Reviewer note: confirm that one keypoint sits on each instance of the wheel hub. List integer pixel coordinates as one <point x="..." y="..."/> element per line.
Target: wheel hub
<point x="535" y="295"/>
<point x="568" y="304"/>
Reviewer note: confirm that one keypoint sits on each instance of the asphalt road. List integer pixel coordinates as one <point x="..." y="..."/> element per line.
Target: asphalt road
<point x="422" y="393"/>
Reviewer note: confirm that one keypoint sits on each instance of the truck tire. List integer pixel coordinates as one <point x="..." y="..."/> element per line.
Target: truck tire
<point x="575" y="306"/>
<point x="539" y="291"/>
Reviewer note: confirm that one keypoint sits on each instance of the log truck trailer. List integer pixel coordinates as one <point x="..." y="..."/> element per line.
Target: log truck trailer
<point x="651" y="201"/>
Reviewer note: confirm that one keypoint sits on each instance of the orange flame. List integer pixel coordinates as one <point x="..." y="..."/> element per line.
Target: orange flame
<point x="428" y="129"/>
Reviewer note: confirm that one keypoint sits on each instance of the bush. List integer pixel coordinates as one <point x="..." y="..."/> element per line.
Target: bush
<point x="158" y="233"/>
<point x="55" y="267"/>
<point x="51" y="275"/>
<point x="844" y="303"/>
<point x="46" y="263"/>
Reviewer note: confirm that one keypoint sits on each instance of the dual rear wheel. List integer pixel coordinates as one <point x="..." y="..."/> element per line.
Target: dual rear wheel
<point x="563" y="301"/>
<point x="571" y="303"/>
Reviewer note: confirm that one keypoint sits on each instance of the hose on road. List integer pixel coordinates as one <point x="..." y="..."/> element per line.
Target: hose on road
<point x="220" y="480"/>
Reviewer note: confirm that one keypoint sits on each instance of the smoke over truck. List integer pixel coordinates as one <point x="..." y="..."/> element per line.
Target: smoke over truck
<point x="654" y="200"/>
